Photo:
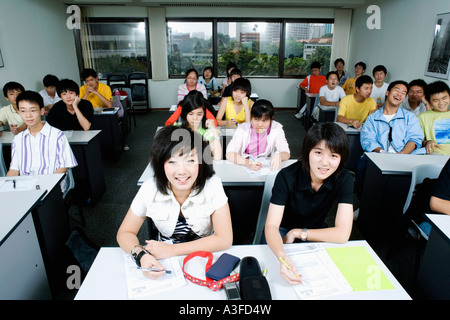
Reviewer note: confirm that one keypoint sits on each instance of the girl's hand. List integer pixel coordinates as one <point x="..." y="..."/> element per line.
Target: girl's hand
<point x="245" y="102"/>
<point x="158" y="249"/>
<point x="290" y="236"/>
<point x="210" y="124"/>
<point x="231" y="123"/>
<point x="291" y="276"/>
<point x="254" y="165"/>
<point x="149" y="261"/>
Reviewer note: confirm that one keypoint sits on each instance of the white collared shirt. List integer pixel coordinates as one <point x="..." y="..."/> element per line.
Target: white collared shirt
<point x="44" y="153"/>
<point x="164" y="209"/>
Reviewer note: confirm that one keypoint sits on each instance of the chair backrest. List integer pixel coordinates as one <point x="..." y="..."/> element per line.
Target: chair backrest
<point x="117" y="77"/>
<point x="267" y="194"/>
<point x="137" y="76"/>
<point x="2" y="163"/>
<point x="419" y="173"/>
<point x="129" y="96"/>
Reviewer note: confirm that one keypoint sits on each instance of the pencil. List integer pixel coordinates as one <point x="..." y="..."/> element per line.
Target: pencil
<point x="287" y="266"/>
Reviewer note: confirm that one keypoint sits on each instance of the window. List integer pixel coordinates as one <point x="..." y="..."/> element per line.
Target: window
<point x="114" y="46"/>
<point x="189" y="46"/>
<point x="254" y="45"/>
<point x="305" y="43"/>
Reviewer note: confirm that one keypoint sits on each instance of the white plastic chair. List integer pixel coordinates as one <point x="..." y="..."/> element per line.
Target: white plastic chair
<point x="419" y="173"/>
<point x="267" y="194"/>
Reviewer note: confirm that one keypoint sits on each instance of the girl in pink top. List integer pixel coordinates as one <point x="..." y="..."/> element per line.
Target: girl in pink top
<point x="262" y="137"/>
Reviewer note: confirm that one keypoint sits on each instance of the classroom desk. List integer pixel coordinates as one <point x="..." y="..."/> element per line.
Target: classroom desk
<point x="112" y="138"/>
<point x="354" y="141"/>
<point x="29" y="234"/>
<point x="85" y="146"/>
<point x="106" y="278"/>
<point x="433" y="280"/>
<point x="386" y="186"/>
<point x="310" y="100"/>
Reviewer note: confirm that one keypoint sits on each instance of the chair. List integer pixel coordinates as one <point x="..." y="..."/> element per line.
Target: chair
<point x="130" y="106"/>
<point x="121" y="78"/>
<point x="139" y="90"/>
<point x="267" y="194"/>
<point x="419" y="173"/>
<point x="2" y="163"/>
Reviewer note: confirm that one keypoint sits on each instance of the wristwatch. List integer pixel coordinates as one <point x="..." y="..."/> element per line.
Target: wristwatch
<point x="304" y="234"/>
<point x="138" y="256"/>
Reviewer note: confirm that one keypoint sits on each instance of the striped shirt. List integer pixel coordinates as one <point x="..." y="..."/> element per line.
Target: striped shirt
<point x="44" y="153"/>
<point x="183" y="90"/>
<point x="182" y="233"/>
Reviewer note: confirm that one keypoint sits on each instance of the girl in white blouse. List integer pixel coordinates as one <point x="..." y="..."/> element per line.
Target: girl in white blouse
<point x="185" y="200"/>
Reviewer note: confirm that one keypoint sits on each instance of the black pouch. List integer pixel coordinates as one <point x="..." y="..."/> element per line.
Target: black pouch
<point x="253" y="285"/>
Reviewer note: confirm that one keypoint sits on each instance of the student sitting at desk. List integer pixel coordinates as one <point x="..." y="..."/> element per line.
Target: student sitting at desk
<point x="379" y="86"/>
<point x="71" y="113"/>
<point x="436" y="122"/>
<point x="304" y="192"/>
<point x="416" y="102"/>
<point x="234" y="74"/>
<point x="349" y="85"/>
<point x="354" y="108"/>
<point x="261" y="137"/>
<point x="49" y="92"/>
<point x="329" y="95"/>
<point x="392" y="129"/>
<point x="193" y="117"/>
<point x="99" y="94"/>
<point x="10" y="114"/>
<point x="41" y="148"/>
<point x="185" y="200"/>
<point x="237" y="107"/>
<point x="190" y="83"/>
<point x="210" y="82"/>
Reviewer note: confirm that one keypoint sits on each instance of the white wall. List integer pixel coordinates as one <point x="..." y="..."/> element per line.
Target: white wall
<point x="35" y="41"/>
<point x="403" y="42"/>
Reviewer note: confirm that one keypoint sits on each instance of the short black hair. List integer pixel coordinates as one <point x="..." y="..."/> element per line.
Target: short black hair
<point x="192" y="101"/>
<point x="67" y="85"/>
<point x="86" y="73"/>
<point x="173" y="140"/>
<point x="12" y="85"/>
<point x="330" y="73"/>
<point x="50" y="80"/>
<point x="379" y="67"/>
<point x="362" y="64"/>
<point x="191" y="70"/>
<point x="32" y="97"/>
<point x="419" y="83"/>
<point x="262" y="109"/>
<point x="436" y="87"/>
<point x="396" y="82"/>
<point x="315" y="65"/>
<point x="235" y="71"/>
<point x="334" y="137"/>
<point x="229" y="66"/>
<point x="363" y="80"/>
<point x="242" y="84"/>
<point x="339" y="60"/>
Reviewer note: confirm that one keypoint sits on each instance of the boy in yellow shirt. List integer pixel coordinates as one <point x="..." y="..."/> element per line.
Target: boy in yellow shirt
<point x="349" y="84"/>
<point x="99" y="94"/>
<point x="355" y="108"/>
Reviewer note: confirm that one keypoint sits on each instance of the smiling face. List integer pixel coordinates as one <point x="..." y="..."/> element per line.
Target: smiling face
<point x="238" y="95"/>
<point x="191" y="79"/>
<point x="181" y="171"/>
<point x="440" y="101"/>
<point x="322" y="162"/>
<point x="396" y="95"/>
<point x="68" y="97"/>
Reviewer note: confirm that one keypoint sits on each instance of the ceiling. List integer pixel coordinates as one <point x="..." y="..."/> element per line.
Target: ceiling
<point x="229" y="3"/>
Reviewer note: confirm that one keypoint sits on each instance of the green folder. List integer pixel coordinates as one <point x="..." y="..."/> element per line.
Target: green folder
<point x="359" y="268"/>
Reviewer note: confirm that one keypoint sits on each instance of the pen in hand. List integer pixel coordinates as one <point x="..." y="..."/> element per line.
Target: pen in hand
<point x="287" y="266"/>
<point x="154" y="269"/>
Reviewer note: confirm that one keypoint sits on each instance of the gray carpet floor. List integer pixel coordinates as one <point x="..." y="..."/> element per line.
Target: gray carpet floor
<point x="122" y="174"/>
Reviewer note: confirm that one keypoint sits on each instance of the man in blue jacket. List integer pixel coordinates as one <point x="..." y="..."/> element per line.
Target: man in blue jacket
<point x="393" y="129"/>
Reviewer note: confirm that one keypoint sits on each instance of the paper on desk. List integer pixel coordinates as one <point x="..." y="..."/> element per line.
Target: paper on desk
<point x="22" y="184"/>
<point x="264" y="171"/>
<point x="321" y="278"/>
<point x="140" y="286"/>
<point x="359" y="268"/>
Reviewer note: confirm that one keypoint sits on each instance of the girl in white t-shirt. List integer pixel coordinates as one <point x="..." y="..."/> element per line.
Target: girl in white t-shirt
<point x="184" y="199"/>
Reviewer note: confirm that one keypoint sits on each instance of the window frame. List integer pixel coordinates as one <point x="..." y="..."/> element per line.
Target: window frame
<point x="113" y="20"/>
<point x="283" y="23"/>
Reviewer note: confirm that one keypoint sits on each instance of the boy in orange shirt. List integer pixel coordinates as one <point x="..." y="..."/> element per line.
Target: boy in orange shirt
<point x="312" y="84"/>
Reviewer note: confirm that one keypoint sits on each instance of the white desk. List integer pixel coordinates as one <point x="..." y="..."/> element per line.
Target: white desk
<point x="386" y="186"/>
<point x="433" y="280"/>
<point x="22" y="270"/>
<point x="106" y="278"/>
